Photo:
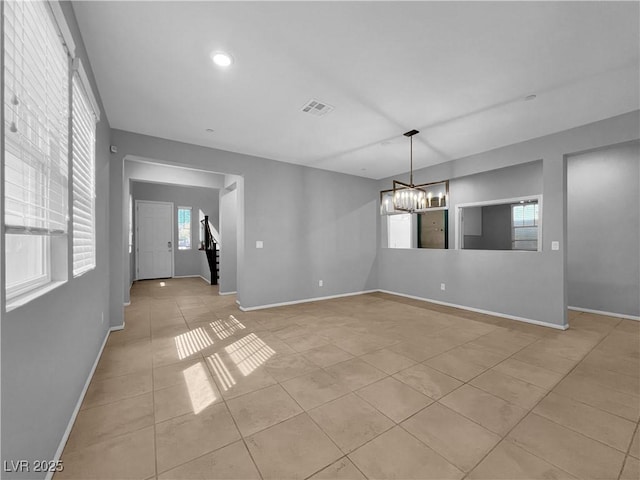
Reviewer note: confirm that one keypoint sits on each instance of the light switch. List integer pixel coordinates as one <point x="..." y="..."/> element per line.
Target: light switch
<point x="555" y="245"/>
<point x="259" y="244"/>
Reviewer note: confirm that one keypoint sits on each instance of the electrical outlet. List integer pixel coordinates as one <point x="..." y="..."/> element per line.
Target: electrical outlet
<point x="320" y="283"/>
<point x="443" y="287"/>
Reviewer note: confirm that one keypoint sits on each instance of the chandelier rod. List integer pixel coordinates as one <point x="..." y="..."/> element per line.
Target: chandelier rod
<point x="410" y="134"/>
<point x="411" y="165"/>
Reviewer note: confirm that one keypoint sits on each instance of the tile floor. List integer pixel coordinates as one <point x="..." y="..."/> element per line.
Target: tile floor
<point x="371" y="386"/>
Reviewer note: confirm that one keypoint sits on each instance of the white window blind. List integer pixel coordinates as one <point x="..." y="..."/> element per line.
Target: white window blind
<point x="83" y="127"/>
<point x="36" y="128"/>
<point x="524" y="226"/>
<point x="36" y="120"/>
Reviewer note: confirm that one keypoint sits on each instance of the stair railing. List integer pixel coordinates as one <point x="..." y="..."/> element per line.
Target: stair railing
<point x="211" y="250"/>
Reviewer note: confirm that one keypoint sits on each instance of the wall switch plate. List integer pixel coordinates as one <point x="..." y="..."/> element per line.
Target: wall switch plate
<point x="443" y="286"/>
<point x="320" y="283"/>
<point x="259" y="244"/>
<point x="555" y="245"/>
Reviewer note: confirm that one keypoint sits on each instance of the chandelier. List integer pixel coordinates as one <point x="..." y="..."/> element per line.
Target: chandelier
<point x="410" y="198"/>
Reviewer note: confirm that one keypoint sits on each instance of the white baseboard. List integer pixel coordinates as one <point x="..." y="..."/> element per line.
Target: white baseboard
<point x="72" y="420"/>
<point x="463" y="307"/>
<point x="126" y="304"/>
<point x="479" y="310"/>
<point x="227" y="293"/>
<point x="192" y="276"/>
<point x="608" y="314"/>
<point x="305" y="300"/>
<point x="187" y="276"/>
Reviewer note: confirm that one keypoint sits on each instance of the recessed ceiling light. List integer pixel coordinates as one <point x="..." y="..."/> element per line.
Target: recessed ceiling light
<point x="222" y="59"/>
<point x="530" y="97"/>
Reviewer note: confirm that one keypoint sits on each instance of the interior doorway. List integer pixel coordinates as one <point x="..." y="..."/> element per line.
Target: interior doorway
<point x="154" y="239"/>
<point x="603" y="231"/>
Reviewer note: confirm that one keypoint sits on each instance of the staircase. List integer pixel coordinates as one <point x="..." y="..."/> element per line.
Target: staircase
<point x="212" y="251"/>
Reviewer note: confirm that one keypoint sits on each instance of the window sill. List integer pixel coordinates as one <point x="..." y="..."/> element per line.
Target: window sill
<point x="25" y="298"/>
<point x="83" y="271"/>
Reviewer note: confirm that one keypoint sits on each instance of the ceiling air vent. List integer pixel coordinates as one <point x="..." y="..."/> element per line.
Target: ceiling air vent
<point x="317" y="108"/>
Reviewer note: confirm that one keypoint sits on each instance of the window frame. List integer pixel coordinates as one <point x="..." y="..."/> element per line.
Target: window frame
<point x="32" y="216"/>
<point x="200" y="229"/>
<point x="536" y="224"/>
<point x="513" y="200"/>
<point x="80" y="83"/>
<point x="38" y="218"/>
<point x="22" y="288"/>
<point x="190" y="209"/>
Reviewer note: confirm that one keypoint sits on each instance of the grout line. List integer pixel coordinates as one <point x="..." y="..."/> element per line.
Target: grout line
<point x="242" y="438"/>
<point x="185" y="414"/>
<point x="530" y="411"/>
<point x="497" y="326"/>
<point x="305" y="412"/>
<point x="153" y="389"/>
<point x="87" y="409"/>
<point x="226" y="404"/>
<point x="577" y="400"/>
<point x="628" y="454"/>
<point x="153" y="396"/>
<point x="333" y="463"/>
<point x="470" y="379"/>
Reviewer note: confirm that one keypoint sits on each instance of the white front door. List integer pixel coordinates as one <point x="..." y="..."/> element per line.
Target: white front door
<point x="154" y="240"/>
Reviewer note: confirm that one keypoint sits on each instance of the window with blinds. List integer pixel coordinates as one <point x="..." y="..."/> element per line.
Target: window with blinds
<point x="83" y="128"/>
<point x="524" y="226"/>
<point x="36" y="101"/>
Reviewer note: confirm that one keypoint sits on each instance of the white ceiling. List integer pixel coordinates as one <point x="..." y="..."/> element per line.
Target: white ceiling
<point x="456" y="71"/>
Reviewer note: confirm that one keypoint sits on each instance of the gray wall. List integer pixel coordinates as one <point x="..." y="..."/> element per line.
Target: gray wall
<point x="496" y="229"/>
<point x="229" y="237"/>
<point x="50" y="344"/>
<point x="603" y="224"/>
<point x="315" y="225"/>
<point x="497" y="280"/>
<point x="186" y="262"/>
<point x="517" y="180"/>
<point x="502" y="183"/>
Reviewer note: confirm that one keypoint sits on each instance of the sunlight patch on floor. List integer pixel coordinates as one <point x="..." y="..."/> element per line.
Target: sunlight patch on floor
<point x="192" y="342"/>
<point x="225" y="379"/>
<point x="226" y="328"/>
<point x="198" y="383"/>
<point x="249" y="353"/>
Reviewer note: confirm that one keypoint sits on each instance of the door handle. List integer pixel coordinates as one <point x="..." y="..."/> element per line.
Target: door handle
<point x="169" y="245"/>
